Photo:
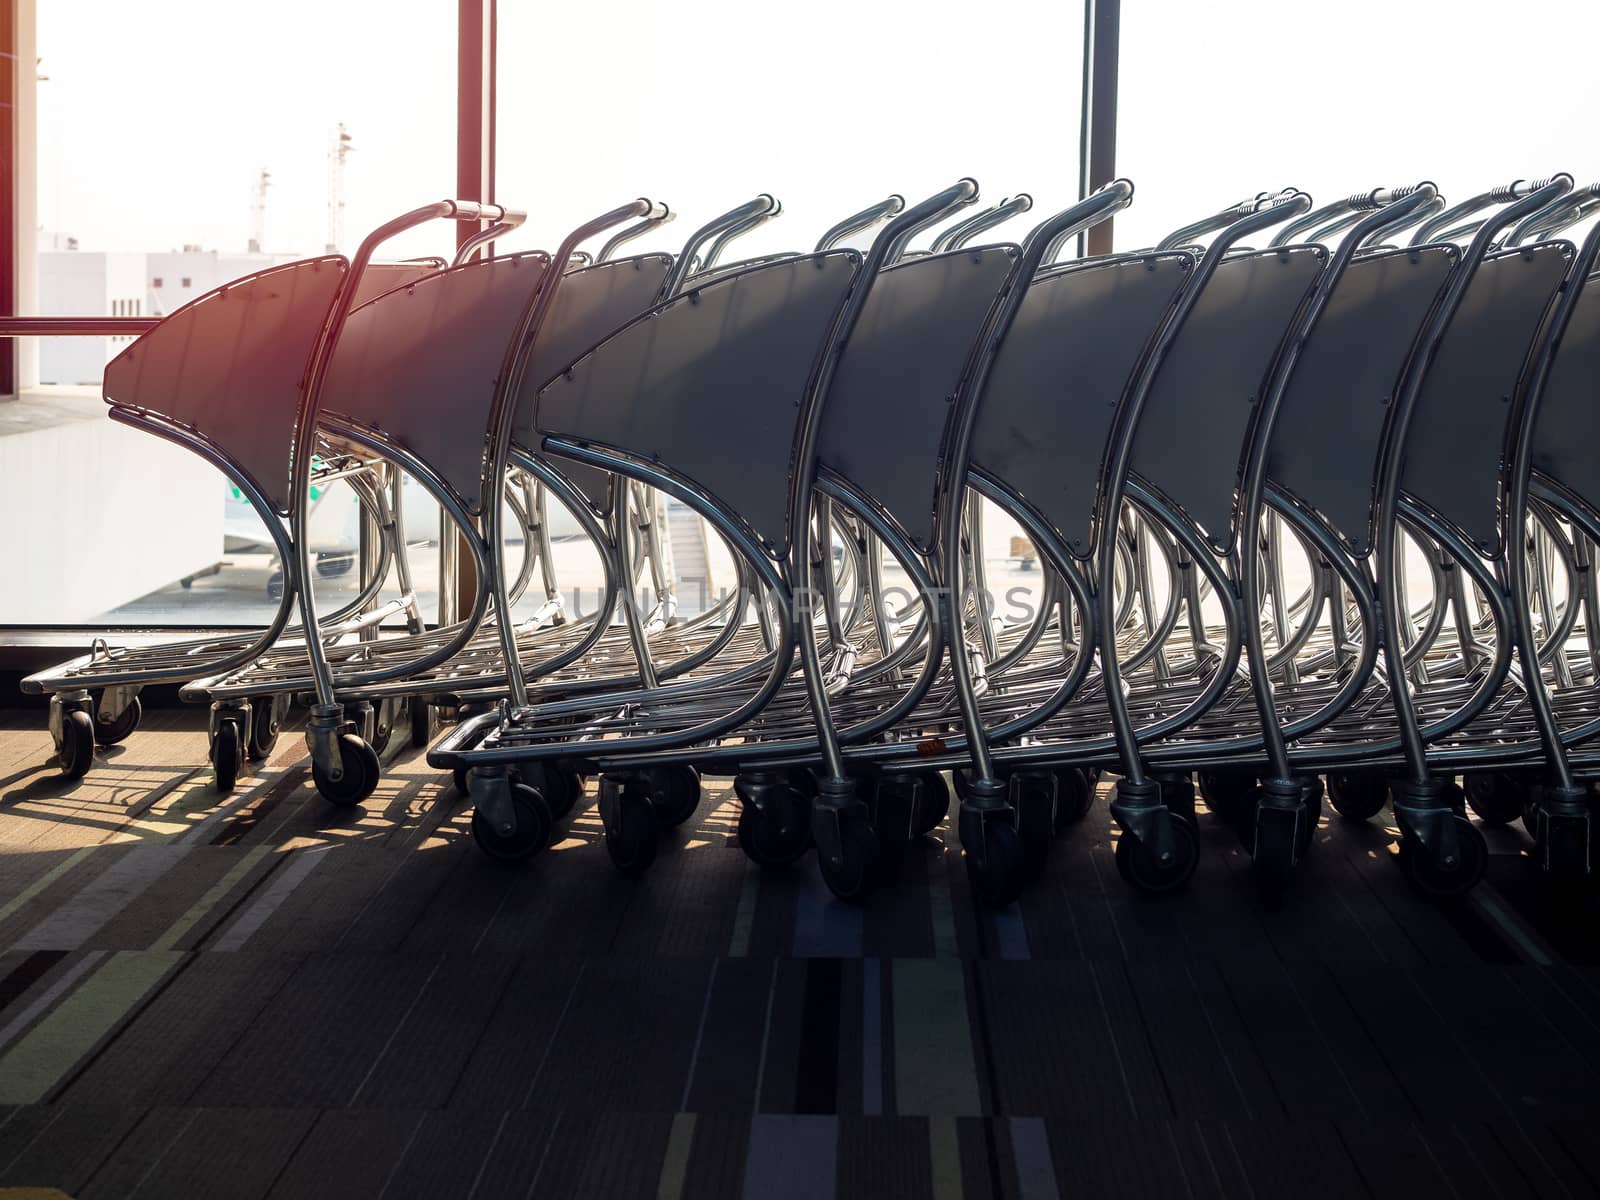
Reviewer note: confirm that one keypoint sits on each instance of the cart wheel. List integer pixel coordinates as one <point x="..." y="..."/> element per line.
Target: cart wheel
<point x="962" y="779"/>
<point x="634" y="833"/>
<point x="674" y="794"/>
<point x="424" y="723"/>
<point x="463" y="785"/>
<point x="1036" y="824"/>
<point x="1432" y="877"/>
<point x="857" y="872"/>
<point x="383" y="723"/>
<point x="1177" y="793"/>
<point x="361" y="773"/>
<point x="566" y="788"/>
<point x="531" y="831"/>
<point x="1003" y="870"/>
<point x="109" y="733"/>
<point x="227" y="754"/>
<point x="779" y="832"/>
<point x="263" y="729"/>
<point x="76" y="755"/>
<point x="332" y="566"/>
<point x="1228" y="794"/>
<point x="1074" y="797"/>
<point x="933" y="806"/>
<point x="1530" y="813"/>
<point x="1311" y="791"/>
<point x="1138" y="866"/>
<point x="1357" y="795"/>
<point x="1495" y="796"/>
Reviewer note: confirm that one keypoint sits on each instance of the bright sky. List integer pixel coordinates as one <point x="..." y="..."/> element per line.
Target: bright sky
<point x="157" y="116"/>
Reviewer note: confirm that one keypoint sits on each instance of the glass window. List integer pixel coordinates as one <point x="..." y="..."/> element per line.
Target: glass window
<point x="136" y="530"/>
<point x="1212" y="111"/>
<point x="829" y="106"/>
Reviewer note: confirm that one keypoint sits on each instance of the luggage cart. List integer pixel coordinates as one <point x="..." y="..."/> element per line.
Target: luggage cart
<point x="593" y="301"/>
<point x="724" y="358"/>
<point x="223" y="377"/>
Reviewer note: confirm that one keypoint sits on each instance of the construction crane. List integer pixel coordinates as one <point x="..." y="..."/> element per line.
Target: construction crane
<point x="258" y="212"/>
<point x="336" y="155"/>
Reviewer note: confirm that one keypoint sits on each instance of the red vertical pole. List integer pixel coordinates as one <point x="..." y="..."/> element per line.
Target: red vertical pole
<point x="475" y="108"/>
<point x="10" y="77"/>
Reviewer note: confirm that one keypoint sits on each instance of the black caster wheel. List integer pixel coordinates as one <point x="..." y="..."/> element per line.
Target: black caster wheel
<point x="1357" y="795"/>
<point x="1139" y="867"/>
<point x="227" y="754"/>
<point x="1433" y="878"/>
<point x="1177" y="793"/>
<point x="634" y="832"/>
<point x="1033" y="796"/>
<point x="424" y="723"/>
<point x="385" y="715"/>
<point x="332" y="566"/>
<point x="76" y="754"/>
<point x="1003" y="870"/>
<point x="1495" y="796"/>
<point x="459" y="778"/>
<point x="1456" y="797"/>
<point x="856" y="874"/>
<point x="565" y="790"/>
<point x="530" y="831"/>
<point x="674" y="794"/>
<point x="109" y="733"/>
<point x="361" y="773"/>
<point x="932" y="806"/>
<point x="1074" y="797"/>
<point x="263" y="730"/>
<point x="1229" y="794"/>
<point x="779" y="832"/>
<point x="1312" y="791"/>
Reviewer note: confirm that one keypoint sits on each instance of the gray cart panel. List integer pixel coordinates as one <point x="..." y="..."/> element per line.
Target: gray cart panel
<point x="1192" y="430"/>
<point x="1564" y="443"/>
<point x="589" y="305"/>
<point x="901" y="370"/>
<point x="1453" y="449"/>
<point x="420" y="363"/>
<point x="231" y="365"/>
<point x="1045" y="414"/>
<point x="1331" y="419"/>
<point x="710" y="384"/>
<point x="379" y="278"/>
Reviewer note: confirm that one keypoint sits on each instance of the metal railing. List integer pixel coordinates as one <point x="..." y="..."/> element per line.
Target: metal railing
<point x="14" y="327"/>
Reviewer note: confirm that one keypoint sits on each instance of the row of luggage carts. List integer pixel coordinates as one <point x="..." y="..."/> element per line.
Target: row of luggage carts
<point x="1314" y="492"/>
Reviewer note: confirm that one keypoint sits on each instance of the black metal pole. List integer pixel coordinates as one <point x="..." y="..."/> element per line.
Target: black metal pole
<point x="1097" y="131"/>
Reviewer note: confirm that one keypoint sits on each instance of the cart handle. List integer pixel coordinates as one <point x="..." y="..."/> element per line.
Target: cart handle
<point x="714" y="255"/>
<point x="889" y="245"/>
<point x="1519" y="189"/>
<point x="637" y="230"/>
<point x="962" y="232"/>
<point x="732" y="219"/>
<point x="1558" y="214"/>
<point x="1226" y="217"/>
<point x="865" y="219"/>
<point x="510" y="219"/>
